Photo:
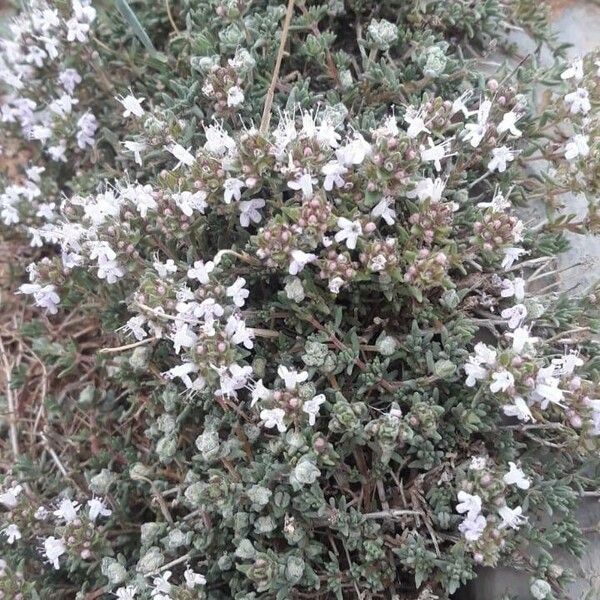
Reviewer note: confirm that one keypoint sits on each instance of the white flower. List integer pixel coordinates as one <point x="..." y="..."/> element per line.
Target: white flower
<point x="200" y="271"/>
<point x="308" y="124"/>
<point x="511" y="517"/>
<point x="109" y="270"/>
<point x="459" y="104"/>
<point x="519" y="409"/>
<point x="87" y="127"/>
<point x="485" y="354"/>
<point x="473" y="527"/>
<point x="232" y="189"/>
<point x="83" y="11"/>
<point x="273" y="418"/>
<point x="165" y="269"/>
<point x="384" y="210"/>
<point x="141" y="196"/>
<point x="54" y="548"/>
<point x="57" y="152"/>
<point x="548" y="391"/>
<point x="161" y="584"/>
<point x="69" y="79"/>
<point x="333" y="172"/>
<point x="508" y="123"/>
<point x="335" y="285"/>
<point x="415" y="121"/>
<point x="131" y="104"/>
<point x="63" y="105"/>
<point x="577" y="146"/>
<point x="305" y="183"/>
<point x="354" y="152"/>
<point x="511" y="255"/>
<point x="516" y="476"/>
<point x="285" y="132"/>
<point x="193" y="579"/>
<point x="67" y="510"/>
<point x="41" y="513"/>
<point x="311" y="408"/>
<point x="235" y="96"/>
<point x="188" y="202"/>
<point x="475" y="372"/>
<point x="377" y="263"/>
<point x="76" y="30"/>
<point x="435" y="153"/>
<point x="237" y="292"/>
<point x="326" y="135"/>
<point x="183" y="337"/>
<point x="498" y="203"/>
<point x="238" y="332"/>
<point x="12" y="533"/>
<point x="513" y="287"/>
<point x="97" y="508"/>
<point x="515" y="315"/>
<point x="428" y="189"/>
<point x="290" y="377"/>
<point x="209" y="309"/>
<point x="218" y="141"/>
<point x="183" y="371"/>
<point x="502" y="381"/>
<point x="578" y="102"/>
<point x="300" y="260"/>
<point x="468" y="503"/>
<point x="349" y="231"/>
<point x="521" y="338"/>
<point x="249" y="211"/>
<point x="566" y="364"/>
<point x="476" y="131"/>
<point x="500" y="157"/>
<point x="135" y="326"/>
<point x="574" y="70"/>
<point x="126" y="593"/>
<point x="10" y="497"/>
<point x="181" y="154"/>
<point x="43" y="296"/>
<point x="478" y="463"/>
<point x="483" y="112"/>
<point x="259" y="392"/>
<point x="473" y="369"/>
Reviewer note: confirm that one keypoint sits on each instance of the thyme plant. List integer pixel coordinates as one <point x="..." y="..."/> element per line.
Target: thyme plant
<point x="281" y="328"/>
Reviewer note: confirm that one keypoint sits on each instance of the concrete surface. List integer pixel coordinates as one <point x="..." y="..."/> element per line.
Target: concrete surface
<point x="579" y="24"/>
<point x="576" y="23"/>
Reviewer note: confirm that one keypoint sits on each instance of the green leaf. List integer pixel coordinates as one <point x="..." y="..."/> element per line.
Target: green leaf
<point x="134" y="23"/>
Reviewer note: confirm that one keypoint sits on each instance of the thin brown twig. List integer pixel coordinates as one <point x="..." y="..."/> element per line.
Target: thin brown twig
<point x="391" y="513"/>
<point x="126" y="346"/>
<point x="266" y="116"/>
<point x="12" y="403"/>
<point x="170" y="15"/>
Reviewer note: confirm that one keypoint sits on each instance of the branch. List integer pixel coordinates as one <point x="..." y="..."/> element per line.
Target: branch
<point x="266" y="116"/>
<point x="12" y="404"/>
